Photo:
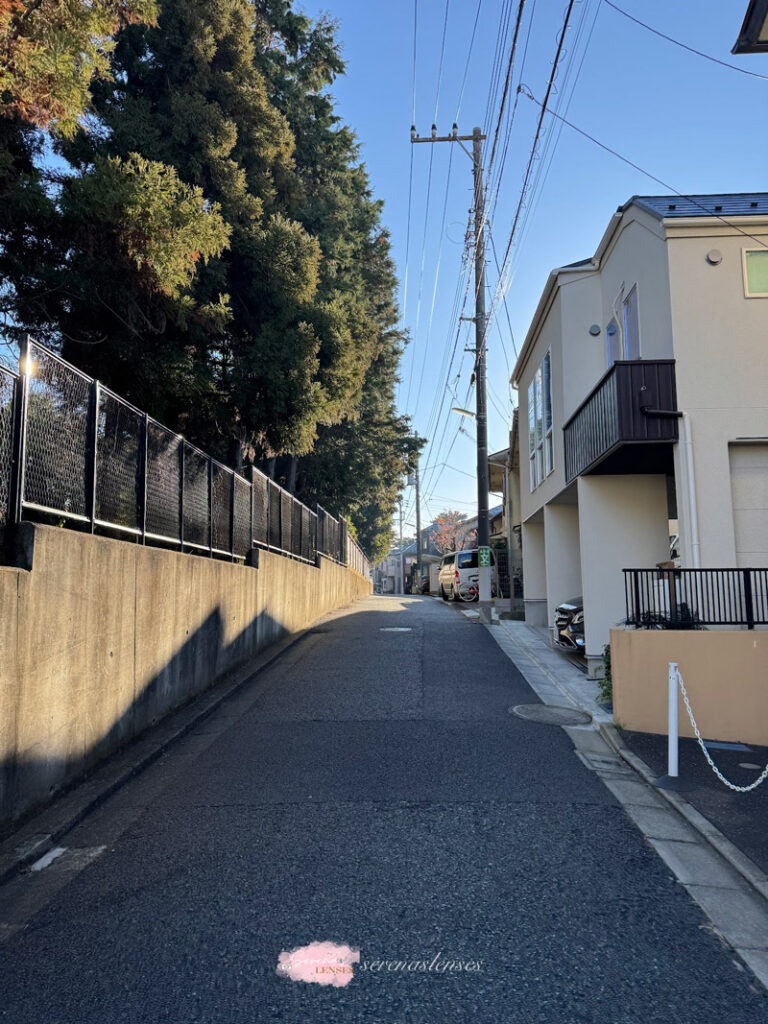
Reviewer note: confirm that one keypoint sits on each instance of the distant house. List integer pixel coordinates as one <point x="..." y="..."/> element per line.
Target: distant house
<point x="643" y="385"/>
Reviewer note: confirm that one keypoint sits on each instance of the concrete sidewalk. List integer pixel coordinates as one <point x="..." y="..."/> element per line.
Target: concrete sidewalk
<point x="724" y="831"/>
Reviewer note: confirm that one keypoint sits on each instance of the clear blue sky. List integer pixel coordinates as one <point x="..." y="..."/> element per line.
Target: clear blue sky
<point x="697" y="126"/>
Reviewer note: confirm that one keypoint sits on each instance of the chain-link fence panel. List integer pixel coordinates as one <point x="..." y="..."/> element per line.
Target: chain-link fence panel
<point x="163" y="514"/>
<point x="260" y="509"/>
<point x="56" y="465"/>
<point x="7" y="417"/>
<point x="296" y="527"/>
<point x="196" y="508"/>
<point x="221" y="512"/>
<point x="242" y="517"/>
<point x="306" y="537"/>
<point x="274" y="516"/>
<point x="286" y="522"/>
<point x="119" y="452"/>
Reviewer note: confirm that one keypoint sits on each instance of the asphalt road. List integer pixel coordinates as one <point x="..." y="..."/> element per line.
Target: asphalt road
<point x="369" y="788"/>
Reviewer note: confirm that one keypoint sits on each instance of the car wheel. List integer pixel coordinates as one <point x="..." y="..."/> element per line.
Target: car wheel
<point x="454" y="595"/>
<point x="442" y="593"/>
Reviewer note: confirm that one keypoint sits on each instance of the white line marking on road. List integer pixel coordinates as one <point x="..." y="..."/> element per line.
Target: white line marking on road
<point x="48" y="858"/>
<point x="395" y="629"/>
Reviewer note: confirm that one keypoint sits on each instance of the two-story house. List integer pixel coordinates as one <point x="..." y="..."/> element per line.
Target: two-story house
<point x="643" y="394"/>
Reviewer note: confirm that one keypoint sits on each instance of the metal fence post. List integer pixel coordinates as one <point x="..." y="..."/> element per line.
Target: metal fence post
<point x="19" y="449"/>
<point x="232" y="515"/>
<point x="181" y="495"/>
<point x="93" y="436"/>
<point x="250" y="529"/>
<point x="144" y="459"/>
<point x="210" y="508"/>
<point x="749" y="610"/>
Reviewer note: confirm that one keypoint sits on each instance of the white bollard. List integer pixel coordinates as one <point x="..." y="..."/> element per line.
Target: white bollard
<point x="672" y="744"/>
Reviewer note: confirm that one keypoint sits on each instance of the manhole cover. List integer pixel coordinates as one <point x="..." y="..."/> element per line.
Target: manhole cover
<point x="549" y="714"/>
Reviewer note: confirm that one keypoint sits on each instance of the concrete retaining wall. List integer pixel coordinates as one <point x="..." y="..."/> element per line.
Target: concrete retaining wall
<point x="725" y="674"/>
<point x="101" y="638"/>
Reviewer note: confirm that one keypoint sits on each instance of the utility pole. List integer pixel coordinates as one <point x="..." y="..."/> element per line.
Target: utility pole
<point x="402" y="562"/>
<point x="418" y="528"/>
<point x="483" y="526"/>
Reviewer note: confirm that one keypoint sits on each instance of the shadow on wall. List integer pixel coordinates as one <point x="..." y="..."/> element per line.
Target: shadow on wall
<point x="30" y="779"/>
<point x="101" y="639"/>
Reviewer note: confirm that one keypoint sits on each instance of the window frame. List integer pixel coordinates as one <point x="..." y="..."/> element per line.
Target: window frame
<point x="541" y="447"/>
<point x="747" y="293"/>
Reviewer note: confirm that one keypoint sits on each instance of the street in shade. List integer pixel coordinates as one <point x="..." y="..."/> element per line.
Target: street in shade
<point x="364" y="831"/>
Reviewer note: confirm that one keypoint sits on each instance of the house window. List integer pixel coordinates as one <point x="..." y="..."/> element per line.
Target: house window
<point x="541" y="454"/>
<point x="756" y="273"/>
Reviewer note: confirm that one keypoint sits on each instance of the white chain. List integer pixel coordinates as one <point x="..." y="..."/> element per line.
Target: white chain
<point x="737" y="789"/>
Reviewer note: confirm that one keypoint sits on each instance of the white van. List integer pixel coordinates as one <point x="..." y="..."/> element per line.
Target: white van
<point x="459" y="576"/>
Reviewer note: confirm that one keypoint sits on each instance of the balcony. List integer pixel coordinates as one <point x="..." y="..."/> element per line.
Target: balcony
<point x="627" y="423"/>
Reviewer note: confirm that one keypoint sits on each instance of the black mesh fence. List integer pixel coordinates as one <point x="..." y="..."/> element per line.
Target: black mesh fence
<point x="56" y="471"/>
<point x="327" y="534"/>
<point x="260" y="486"/>
<point x="221" y="511"/>
<point x="89" y="455"/>
<point x="196" y="508"/>
<point x="163" y="513"/>
<point x="342" y="556"/>
<point x="286" y="522"/>
<point x="295" y="527"/>
<point x="274" y="516"/>
<point x="7" y="417"/>
<point x="312" y="534"/>
<point x="119" y="455"/>
<point x="242" y="517"/>
<point x="306" y="533"/>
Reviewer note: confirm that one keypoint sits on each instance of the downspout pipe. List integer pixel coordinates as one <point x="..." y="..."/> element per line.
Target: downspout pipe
<point x="693" y="511"/>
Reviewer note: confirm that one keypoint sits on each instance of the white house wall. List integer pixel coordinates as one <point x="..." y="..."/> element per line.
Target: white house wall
<point x="637" y="256"/>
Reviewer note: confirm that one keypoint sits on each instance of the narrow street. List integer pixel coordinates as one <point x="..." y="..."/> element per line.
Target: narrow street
<point x="370" y="788"/>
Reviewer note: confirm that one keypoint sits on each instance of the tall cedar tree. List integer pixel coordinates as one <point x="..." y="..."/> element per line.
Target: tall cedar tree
<point x="215" y="252"/>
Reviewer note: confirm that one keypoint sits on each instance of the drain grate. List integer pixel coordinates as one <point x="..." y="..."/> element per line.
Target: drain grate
<point x="551" y="714"/>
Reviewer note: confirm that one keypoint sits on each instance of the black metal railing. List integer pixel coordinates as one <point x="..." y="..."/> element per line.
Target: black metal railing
<point x="687" y="598"/>
<point x="634" y="402"/>
<point x="72" y="449"/>
<point x="8" y="390"/>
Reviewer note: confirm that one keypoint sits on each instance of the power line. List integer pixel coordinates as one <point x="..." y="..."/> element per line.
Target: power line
<point x="685" y="46"/>
<point x="426" y="209"/>
<point x="642" y="170"/>
<point x="550" y="85"/>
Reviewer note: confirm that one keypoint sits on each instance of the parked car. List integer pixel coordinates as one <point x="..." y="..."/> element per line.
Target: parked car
<point x="460" y="576"/>
<point x="568" y="627"/>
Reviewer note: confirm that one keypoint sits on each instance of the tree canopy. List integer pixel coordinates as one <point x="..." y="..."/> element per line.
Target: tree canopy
<point x="185" y="216"/>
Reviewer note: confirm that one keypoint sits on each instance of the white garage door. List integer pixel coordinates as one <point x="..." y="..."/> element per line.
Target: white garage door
<point x="749" y="490"/>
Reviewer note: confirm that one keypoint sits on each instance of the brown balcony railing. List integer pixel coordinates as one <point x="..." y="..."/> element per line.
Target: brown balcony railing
<point x="634" y="403"/>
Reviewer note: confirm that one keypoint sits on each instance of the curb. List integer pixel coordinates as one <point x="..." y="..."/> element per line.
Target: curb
<point x="70" y="806"/>
<point x="739" y="861"/>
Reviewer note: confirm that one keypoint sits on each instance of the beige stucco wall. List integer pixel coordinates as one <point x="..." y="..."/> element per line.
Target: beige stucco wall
<point x="724" y="672"/>
<point x="534" y="567"/>
<point x="563" y="561"/>
<point x="623" y="525"/>
<point x="721" y="354"/>
<point x="101" y="638"/>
